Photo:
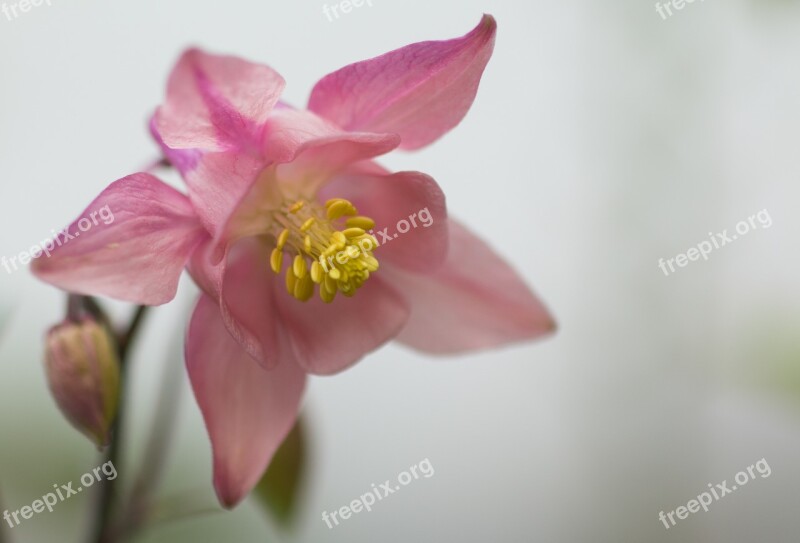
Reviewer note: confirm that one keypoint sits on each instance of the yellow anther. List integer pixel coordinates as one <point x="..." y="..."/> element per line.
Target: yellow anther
<point x="335" y="274"/>
<point x="371" y="262"/>
<point x="317" y="273"/>
<point x="299" y="266"/>
<point x="297" y="206"/>
<point x="342" y="207"/>
<point x="365" y="223"/>
<point x="276" y="260"/>
<point x="291" y="280"/>
<point x="353" y="232"/>
<point x="326" y="295"/>
<point x="308" y="224"/>
<point x="304" y="288"/>
<point x="339" y="239"/>
<point x="329" y="284"/>
<point x="282" y="237"/>
<point x="307" y="243"/>
<point x="332" y="201"/>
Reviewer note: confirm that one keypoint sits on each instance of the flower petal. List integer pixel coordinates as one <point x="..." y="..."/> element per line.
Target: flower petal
<point x="329" y="338"/>
<point x="474" y="301"/>
<point x="218" y="182"/>
<point x="420" y="91"/>
<point x="136" y="250"/>
<point x="248" y="410"/>
<point x="289" y="135"/>
<point x="216" y="102"/>
<point x="410" y="201"/>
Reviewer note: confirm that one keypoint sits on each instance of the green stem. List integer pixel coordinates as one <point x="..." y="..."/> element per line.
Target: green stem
<point x="155" y="455"/>
<point x="103" y="531"/>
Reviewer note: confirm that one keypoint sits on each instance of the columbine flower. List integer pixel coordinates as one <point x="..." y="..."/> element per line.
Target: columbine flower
<point x="83" y="371"/>
<point x="276" y="190"/>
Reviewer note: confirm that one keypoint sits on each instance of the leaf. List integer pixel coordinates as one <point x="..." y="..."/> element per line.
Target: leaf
<point x="278" y="490"/>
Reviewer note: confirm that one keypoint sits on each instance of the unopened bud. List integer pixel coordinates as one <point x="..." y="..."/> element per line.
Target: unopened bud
<point x="83" y="372"/>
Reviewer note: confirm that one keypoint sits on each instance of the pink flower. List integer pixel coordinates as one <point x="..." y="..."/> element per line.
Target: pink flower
<point x="270" y="186"/>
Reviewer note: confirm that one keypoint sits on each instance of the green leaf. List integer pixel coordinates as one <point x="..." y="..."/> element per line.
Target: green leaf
<point x="278" y="490"/>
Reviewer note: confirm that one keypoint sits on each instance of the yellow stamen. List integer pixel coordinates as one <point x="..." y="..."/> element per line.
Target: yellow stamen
<point x="324" y="248"/>
<point x="308" y="224"/>
<point x="365" y="223"/>
<point x="317" y="273"/>
<point x="282" y="237"/>
<point x="299" y="266"/>
<point x="276" y="260"/>
<point x="353" y="232"/>
<point x="340" y="208"/>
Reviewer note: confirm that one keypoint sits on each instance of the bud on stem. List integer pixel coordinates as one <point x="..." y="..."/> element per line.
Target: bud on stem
<point x="83" y="370"/>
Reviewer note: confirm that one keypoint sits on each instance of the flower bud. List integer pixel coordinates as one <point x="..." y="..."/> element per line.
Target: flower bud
<point x="83" y="371"/>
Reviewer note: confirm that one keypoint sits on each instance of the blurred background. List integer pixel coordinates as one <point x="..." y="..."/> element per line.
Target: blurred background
<point x="603" y="138"/>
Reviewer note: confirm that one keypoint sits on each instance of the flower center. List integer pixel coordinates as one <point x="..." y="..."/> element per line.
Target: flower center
<point x="337" y="258"/>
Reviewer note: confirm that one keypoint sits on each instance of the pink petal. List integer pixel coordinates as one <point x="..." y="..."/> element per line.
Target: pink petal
<point x="329" y="338"/>
<point x="218" y="182"/>
<point x="420" y="91"/>
<point x="399" y="202"/>
<point x="248" y="410"/>
<point x="216" y="102"/>
<point x="474" y="301"/>
<point x="145" y="232"/>
<point x="289" y="133"/>
<point x="248" y="305"/>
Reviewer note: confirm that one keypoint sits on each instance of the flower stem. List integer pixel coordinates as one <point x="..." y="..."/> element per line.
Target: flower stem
<point x="103" y="530"/>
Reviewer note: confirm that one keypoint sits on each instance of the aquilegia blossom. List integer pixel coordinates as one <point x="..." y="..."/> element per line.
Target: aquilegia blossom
<point x="275" y="198"/>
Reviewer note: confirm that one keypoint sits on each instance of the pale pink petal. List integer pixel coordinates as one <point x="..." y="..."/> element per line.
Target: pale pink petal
<point x="410" y="201"/>
<point x="248" y="304"/>
<point x="131" y="244"/>
<point x="420" y="91"/>
<point x="329" y="338"/>
<point x="216" y="102"/>
<point x="248" y="410"/>
<point x="218" y="182"/>
<point x="291" y="133"/>
<point x="241" y="283"/>
<point x="474" y="301"/>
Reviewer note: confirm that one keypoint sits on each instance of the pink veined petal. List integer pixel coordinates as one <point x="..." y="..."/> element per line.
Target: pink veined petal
<point x="420" y="91"/>
<point x="290" y="133"/>
<point x="248" y="410"/>
<point x="218" y="182"/>
<point x="474" y="301"/>
<point x="216" y="102"/>
<point x="329" y="338"/>
<point x="410" y="201"/>
<point x="131" y="244"/>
